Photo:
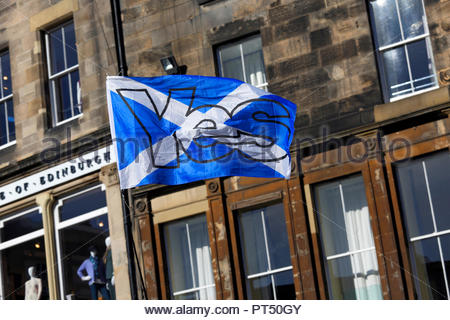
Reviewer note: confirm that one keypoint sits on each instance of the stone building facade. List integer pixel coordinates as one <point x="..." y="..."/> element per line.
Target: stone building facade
<point x="354" y="221"/>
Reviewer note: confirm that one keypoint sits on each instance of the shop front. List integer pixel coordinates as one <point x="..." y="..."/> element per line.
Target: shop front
<point x="52" y="221"/>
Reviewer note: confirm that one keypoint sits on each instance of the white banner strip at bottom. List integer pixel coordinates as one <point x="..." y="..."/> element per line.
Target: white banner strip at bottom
<point x="255" y="309"/>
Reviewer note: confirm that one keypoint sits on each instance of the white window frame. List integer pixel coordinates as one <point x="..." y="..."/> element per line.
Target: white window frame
<point x="403" y="43"/>
<point x="18" y="240"/>
<point x="239" y="43"/>
<point x="60" y="225"/>
<point x="4" y="99"/>
<point x="435" y="234"/>
<point x="269" y="272"/>
<point x="52" y="78"/>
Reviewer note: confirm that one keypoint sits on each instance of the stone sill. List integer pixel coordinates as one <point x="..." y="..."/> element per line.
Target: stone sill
<point x="399" y="108"/>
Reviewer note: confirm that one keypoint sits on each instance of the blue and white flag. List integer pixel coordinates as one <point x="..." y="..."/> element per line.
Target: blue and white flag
<point x="181" y="128"/>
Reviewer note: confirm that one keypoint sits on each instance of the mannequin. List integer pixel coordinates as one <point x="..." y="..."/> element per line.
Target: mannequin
<point x="93" y="270"/>
<point x="109" y="272"/>
<point x="33" y="287"/>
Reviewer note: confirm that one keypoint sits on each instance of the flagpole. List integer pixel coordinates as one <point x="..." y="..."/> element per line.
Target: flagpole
<point x="123" y="71"/>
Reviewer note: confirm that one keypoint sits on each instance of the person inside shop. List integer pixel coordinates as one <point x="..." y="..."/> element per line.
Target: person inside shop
<point x="33" y="287"/>
<point x="93" y="270"/>
<point x="109" y="272"/>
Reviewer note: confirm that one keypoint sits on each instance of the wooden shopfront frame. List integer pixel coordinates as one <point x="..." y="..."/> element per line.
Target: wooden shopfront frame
<point x="414" y="142"/>
<point x="328" y="166"/>
<point x="247" y="193"/>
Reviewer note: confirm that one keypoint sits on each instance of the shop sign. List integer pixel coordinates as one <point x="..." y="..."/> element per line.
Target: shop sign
<point x="56" y="175"/>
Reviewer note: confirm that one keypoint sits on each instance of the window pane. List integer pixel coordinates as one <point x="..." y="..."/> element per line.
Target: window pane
<point x="445" y="243"/>
<point x="21" y="225"/>
<point x="277" y="239"/>
<point x="63" y="93"/>
<point x="414" y="198"/>
<point x="427" y="267"/>
<point x="75" y="242"/>
<point x="367" y="278"/>
<point x="438" y="176"/>
<point x="421" y="65"/>
<point x="386" y="22"/>
<point x="346" y="228"/>
<point x="3" y="122"/>
<point x="15" y="262"/>
<point x="253" y="249"/>
<point x="356" y="216"/>
<point x="331" y="220"/>
<point x="188" y="256"/>
<point x="71" y="49"/>
<point x="76" y="98"/>
<point x="260" y="288"/>
<point x="341" y="279"/>
<point x="254" y="62"/>
<point x="396" y="69"/>
<point x="6" y="74"/>
<point x="11" y="125"/>
<point x="83" y="203"/>
<point x="231" y="62"/>
<point x="413" y="17"/>
<point x="284" y="285"/>
<point x="56" y="51"/>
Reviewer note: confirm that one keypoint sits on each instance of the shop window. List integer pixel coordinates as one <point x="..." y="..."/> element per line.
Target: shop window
<point x="243" y="60"/>
<point x="21" y="248"/>
<point x="403" y="47"/>
<point x="81" y="223"/>
<point x="347" y="240"/>
<point x="265" y="253"/>
<point x="425" y="204"/>
<point x="7" y="127"/>
<point x="188" y="259"/>
<point x="63" y="75"/>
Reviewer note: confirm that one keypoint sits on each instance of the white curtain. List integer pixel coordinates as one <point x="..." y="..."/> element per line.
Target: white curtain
<point x="359" y="236"/>
<point x="202" y="255"/>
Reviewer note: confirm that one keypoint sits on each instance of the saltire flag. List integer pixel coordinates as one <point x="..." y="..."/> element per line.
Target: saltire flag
<point x="181" y="128"/>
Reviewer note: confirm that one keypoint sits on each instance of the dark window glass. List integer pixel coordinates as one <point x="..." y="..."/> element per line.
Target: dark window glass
<point x="11" y="126"/>
<point x="71" y="49"/>
<point x="5" y="75"/>
<point x="427" y="267"/>
<point x="21" y="225"/>
<point x="3" y="127"/>
<point x="82" y="203"/>
<point x="412" y="17"/>
<point x="15" y="263"/>
<point x="75" y="242"/>
<point x="188" y="257"/>
<point x="415" y="202"/>
<point x="425" y="205"/>
<point x="265" y="253"/>
<point x="56" y="51"/>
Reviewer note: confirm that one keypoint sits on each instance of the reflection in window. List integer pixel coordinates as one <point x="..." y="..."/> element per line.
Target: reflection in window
<point x="76" y="232"/>
<point x="265" y="253"/>
<point x="188" y="257"/>
<point x="64" y="79"/>
<point x="347" y="240"/>
<point x="22" y="247"/>
<point x="244" y="61"/>
<point x="425" y="206"/>
<point x="403" y="46"/>
<point x="7" y="126"/>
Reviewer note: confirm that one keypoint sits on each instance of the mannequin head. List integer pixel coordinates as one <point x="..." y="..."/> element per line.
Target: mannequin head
<point x="93" y="251"/>
<point x="32" y="272"/>
<point x="108" y="241"/>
